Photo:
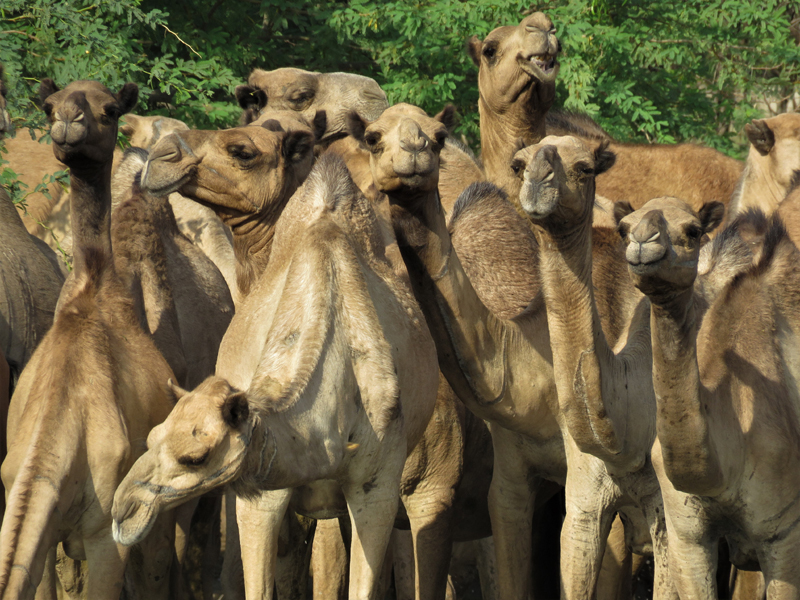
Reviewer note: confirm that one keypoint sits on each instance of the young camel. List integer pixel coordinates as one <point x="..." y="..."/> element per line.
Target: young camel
<point x="476" y="352"/>
<point x="727" y="411"/>
<point x="517" y="71"/>
<point x="340" y="380"/>
<point x="605" y="395"/>
<point x="94" y="387"/>
<point x="772" y="162"/>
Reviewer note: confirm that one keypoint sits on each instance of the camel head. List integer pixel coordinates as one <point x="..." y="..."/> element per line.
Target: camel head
<point x="240" y="173"/>
<point x="145" y="132"/>
<point x="83" y="118"/>
<point x="518" y="65"/>
<point x="775" y="148"/>
<point x="201" y="445"/>
<point x="307" y="93"/>
<point x="404" y="145"/>
<point x="664" y="238"/>
<point x="558" y="177"/>
<point x="5" y="120"/>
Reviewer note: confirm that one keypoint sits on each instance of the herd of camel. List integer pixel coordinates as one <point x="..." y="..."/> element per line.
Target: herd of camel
<point x="337" y="312"/>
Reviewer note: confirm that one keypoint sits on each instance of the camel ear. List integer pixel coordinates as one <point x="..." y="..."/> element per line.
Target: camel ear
<point x="447" y="117"/>
<point x="127" y="97"/>
<point x="47" y="88"/>
<point x="711" y="214"/>
<point x="297" y="145"/>
<point x="621" y="210"/>
<point x="760" y="135"/>
<point x="356" y="125"/>
<point x="320" y="124"/>
<point x="235" y="410"/>
<point x="604" y="158"/>
<point x="248" y="116"/>
<point x="474" y="47"/>
<point x="273" y="125"/>
<point x="176" y="389"/>
<point x="250" y="97"/>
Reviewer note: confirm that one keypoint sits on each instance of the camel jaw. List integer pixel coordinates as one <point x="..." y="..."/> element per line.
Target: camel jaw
<point x="160" y="186"/>
<point x="542" y="67"/>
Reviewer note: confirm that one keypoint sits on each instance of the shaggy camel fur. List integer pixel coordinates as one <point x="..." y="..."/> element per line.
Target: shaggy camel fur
<point x="728" y="415"/>
<point x="605" y="397"/>
<point x="94" y="387"/>
<point x="771" y="166"/>
<point x="358" y="358"/>
<point x="475" y="351"/>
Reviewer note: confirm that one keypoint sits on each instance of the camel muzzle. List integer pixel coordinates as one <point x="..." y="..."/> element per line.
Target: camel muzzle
<point x="646" y="241"/>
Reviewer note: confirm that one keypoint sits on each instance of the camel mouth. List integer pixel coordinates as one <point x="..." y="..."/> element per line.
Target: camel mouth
<point x="543" y="67"/>
<point x="158" y="188"/>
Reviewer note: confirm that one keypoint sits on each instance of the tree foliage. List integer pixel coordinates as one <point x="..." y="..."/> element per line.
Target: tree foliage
<point x="655" y="70"/>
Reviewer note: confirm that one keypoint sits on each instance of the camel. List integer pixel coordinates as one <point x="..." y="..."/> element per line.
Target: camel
<point x="93" y="388"/>
<point x="727" y="411"/>
<point x="363" y="367"/>
<point x="5" y="121"/>
<point x="477" y="350"/>
<point x="518" y="66"/>
<point x="604" y="393"/>
<point x="772" y="163"/>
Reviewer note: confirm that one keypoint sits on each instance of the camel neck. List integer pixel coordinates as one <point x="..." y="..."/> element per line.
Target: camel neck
<point x="500" y="135"/>
<point x="757" y="187"/>
<point x="252" y="245"/>
<point x="582" y="360"/>
<point x="90" y="206"/>
<point x="690" y="457"/>
<point x="465" y="331"/>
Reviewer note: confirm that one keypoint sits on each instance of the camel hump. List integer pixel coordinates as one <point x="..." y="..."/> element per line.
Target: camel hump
<point x="326" y="294"/>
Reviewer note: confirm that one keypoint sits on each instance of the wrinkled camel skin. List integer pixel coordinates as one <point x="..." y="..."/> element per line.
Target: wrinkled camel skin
<point x="526" y="435"/>
<point x="315" y="334"/>
<point x="727" y="414"/>
<point x="772" y="164"/>
<point x="604" y="394"/>
<point x="93" y="389"/>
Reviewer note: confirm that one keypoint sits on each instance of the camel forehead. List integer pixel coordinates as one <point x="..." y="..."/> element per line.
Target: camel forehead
<point x="261" y="138"/>
<point x="277" y="80"/>
<point x="674" y="210"/>
<point x="289" y="120"/>
<point x="570" y="149"/>
<point x="538" y="20"/>
<point x="394" y="115"/>
<point x="94" y="92"/>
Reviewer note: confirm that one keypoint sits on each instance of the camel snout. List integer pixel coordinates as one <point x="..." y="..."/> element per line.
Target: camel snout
<point x="166" y="151"/>
<point x="69" y="127"/>
<point x="646" y="241"/>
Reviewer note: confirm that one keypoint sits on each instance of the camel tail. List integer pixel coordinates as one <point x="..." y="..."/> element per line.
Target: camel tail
<point x="29" y="524"/>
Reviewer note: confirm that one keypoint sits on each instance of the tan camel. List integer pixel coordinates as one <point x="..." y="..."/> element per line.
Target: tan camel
<point x="724" y="377"/>
<point x="518" y="68"/>
<point x="604" y="394"/>
<point x="362" y="364"/>
<point x="772" y="164"/>
<point x="475" y="351"/>
<point x="93" y="388"/>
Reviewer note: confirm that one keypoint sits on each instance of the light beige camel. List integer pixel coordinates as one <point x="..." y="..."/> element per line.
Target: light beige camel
<point x="518" y="68"/>
<point x="476" y="350"/>
<point x="93" y="388"/>
<point x="340" y="377"/>
<point x="725" y="382"/>
<point x="604" y="394"/>
<point x="772" y="164"/>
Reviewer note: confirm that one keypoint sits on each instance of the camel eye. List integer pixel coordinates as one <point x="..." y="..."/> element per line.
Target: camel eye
<point x="517" y="166"/>
<point x="622" y="230"/>
<point x="490" y="52"/>
<point x="112" y="111"/>
<point x="694" y="232"/>
<point x="194" y="461"/>
<point x="47" y="108"/>
<point x="240" y="152"/>
<point x="301" y="97"/>
<point x="441" y="137"/>
<point x="372" y="139"/>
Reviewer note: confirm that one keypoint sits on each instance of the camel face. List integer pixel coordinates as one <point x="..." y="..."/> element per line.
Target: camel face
<point x="200" y="446"/>
<point x="238" y="172"/>
<point x="515" y="61"/>
<point x="776" y="146"/>
<point x="404" y="144"/>
<point x="84" y="118"/>
<point x="664" y="238"/>
<point x="306" y="93"/>
<point x="558" y="177"/>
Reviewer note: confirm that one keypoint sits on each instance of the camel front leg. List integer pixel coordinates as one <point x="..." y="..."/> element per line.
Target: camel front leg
<point x="511" y="500"/>
<point x="106" y="562"/>
<point x="329" y="562"/>
<point x="259" y="520"/>
<point x="372" y="505"/>
<point x="780" y="563"/>
<point x="591" y="499"/>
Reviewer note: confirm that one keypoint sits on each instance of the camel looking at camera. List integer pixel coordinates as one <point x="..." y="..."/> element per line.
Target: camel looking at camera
<point x="329" y="330"/>
<point x="724" y="375"/>
<point x="94" y="387"/>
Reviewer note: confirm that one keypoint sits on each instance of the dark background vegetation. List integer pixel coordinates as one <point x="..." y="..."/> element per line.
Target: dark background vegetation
<point x="646" y="70"/>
